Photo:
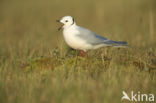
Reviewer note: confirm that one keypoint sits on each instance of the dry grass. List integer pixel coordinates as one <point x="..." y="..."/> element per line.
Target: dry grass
<point x="36" y="66"/>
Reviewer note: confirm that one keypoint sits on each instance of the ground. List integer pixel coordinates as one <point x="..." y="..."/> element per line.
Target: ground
<point x="36" y="65"/>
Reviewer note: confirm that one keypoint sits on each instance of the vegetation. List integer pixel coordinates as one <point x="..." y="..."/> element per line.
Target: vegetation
<point x="36" y="66"/>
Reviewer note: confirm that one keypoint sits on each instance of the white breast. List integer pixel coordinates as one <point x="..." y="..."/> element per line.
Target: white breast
<point x="74" y="41"/>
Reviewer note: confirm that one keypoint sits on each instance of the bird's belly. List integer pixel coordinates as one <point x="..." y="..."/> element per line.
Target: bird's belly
<point x="76" y="43"/>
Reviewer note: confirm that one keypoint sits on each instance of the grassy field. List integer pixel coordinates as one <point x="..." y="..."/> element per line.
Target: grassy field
<point x="36" y="65"/>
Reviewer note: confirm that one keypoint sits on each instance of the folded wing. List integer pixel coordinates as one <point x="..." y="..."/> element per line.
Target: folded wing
<point x="95" y="39"/>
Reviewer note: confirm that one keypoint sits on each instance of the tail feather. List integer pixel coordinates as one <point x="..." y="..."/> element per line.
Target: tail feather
<point x="116" y="43"/>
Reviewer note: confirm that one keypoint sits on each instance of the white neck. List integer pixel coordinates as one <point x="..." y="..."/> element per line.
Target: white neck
<point x="69" y="26"/>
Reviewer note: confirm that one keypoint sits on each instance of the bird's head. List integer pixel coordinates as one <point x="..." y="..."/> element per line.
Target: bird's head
<point x="66" y="21"/>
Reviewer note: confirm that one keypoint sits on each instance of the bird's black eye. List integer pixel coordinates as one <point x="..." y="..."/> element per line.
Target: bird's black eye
<point x="66" y="21"/>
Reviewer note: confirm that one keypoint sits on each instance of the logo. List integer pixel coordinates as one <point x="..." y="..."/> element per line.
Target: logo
<point x="140" y="97"/>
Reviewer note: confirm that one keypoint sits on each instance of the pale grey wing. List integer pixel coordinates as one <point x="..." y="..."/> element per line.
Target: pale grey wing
<point x="95" y="39"/>
<point x="90" y="37"/>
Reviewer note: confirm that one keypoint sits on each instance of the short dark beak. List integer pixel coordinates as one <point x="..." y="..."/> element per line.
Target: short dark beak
<point x="57" y="20"/>
<point x="59" y="27"/>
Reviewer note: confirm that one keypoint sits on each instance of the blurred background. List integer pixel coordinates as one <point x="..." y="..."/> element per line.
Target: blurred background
<point x="29" y="35"/>
<point x="27" y="24"/>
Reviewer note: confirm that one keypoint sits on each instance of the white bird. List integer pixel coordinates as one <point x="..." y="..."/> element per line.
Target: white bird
<point x="83" y="39"/>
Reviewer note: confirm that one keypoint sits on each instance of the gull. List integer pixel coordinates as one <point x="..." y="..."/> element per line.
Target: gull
<point x="83" y="39"/>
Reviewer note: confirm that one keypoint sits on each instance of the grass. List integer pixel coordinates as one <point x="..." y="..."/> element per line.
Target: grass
<point x="36" y="66"/>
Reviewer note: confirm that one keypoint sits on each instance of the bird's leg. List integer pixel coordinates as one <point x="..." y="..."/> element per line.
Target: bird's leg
<point x="80" y="53"/>
<point x="84" y="53"/>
